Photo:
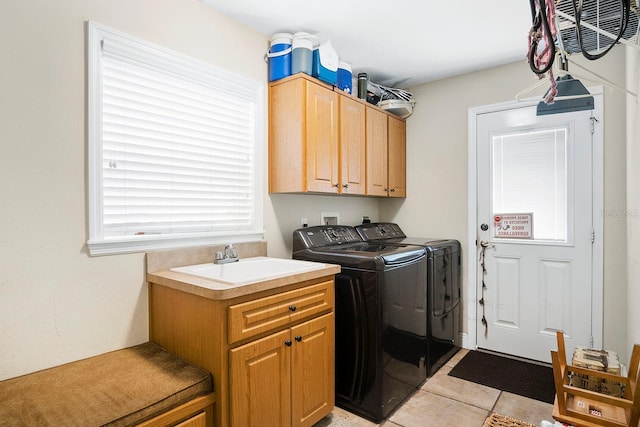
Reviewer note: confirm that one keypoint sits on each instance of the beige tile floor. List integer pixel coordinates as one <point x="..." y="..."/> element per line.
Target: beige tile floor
<point x="448" y="401"/>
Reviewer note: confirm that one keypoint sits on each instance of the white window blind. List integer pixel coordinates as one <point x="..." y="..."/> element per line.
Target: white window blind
<point x="530" y="174"/>
<point x="176" y="148"/>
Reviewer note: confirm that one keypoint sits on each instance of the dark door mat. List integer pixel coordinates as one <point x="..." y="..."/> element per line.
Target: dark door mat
<point x="506" y="374"/>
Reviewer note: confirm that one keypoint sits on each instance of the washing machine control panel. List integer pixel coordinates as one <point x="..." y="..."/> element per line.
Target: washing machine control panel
<point x="329" y="235"/>
<point x="380" y="230"/>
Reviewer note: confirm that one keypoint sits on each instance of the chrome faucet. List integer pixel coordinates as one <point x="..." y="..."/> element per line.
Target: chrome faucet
<point x="229" y="255"/>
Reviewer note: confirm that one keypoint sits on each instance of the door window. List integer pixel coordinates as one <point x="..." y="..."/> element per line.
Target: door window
<point x="529" y="175"/>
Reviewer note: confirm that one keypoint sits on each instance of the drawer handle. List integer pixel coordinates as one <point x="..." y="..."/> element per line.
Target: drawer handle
<point x="298" y="338"/>
<point x="292" y="307"/>
<point x="288" y="343"/>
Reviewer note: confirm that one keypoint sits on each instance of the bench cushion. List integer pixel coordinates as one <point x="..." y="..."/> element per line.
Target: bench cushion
<point x="119" y="388"/>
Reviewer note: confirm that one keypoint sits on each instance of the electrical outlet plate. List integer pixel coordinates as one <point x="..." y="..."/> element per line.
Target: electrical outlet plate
<point x="330" y="218"/>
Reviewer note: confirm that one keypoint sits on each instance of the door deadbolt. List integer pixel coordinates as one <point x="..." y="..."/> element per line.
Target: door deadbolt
<point x="484" y="227"/>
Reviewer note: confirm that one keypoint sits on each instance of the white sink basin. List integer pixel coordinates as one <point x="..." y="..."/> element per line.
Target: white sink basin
<point x="250" y="270"/>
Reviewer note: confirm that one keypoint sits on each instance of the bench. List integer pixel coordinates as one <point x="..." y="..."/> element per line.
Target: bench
<point x="144" y="385"/>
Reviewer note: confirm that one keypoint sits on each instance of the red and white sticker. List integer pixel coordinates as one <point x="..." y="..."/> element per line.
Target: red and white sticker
<point x="513" y="225"/>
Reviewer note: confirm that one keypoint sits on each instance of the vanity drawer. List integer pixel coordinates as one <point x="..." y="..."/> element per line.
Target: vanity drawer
<point x="278" y="311"/>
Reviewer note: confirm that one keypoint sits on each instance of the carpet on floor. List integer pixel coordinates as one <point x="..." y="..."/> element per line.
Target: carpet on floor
<point x="506" y="374"/>
<point x="498" y="420"/>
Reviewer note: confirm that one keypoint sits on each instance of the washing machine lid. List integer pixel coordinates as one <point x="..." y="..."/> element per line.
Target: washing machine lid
<point x="389" y="254"/>
<point x="391" y="233"/>
<point x="342" y="245"/>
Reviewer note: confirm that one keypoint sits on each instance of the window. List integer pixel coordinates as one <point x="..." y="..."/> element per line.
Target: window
<point x="175" y="149"/>
<point x="530" y="174"/>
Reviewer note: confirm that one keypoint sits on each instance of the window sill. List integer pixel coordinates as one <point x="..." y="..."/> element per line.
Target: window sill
<point x="136" y="244"/>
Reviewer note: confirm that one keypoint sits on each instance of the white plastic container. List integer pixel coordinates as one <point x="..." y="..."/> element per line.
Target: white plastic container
<point x="400" y="108"/>
<point x="302" y="53"/>
<point x="325" y="63"/>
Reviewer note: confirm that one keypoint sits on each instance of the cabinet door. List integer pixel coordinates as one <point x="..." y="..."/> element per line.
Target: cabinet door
<point x="352" y="146"/>
<point x="312" y="370"/>
<point x="322" y="139"/>
<point x="287" y="129"/>
<point x="397" y="158"/>
<point x="376" y="153"/>
<point x="260" y="382"/>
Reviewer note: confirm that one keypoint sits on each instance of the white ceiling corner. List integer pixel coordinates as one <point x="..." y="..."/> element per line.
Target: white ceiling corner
<point x="402" y="43"/>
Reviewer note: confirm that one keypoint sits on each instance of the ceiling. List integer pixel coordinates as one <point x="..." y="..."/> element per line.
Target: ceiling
<point x="400" y="43"/>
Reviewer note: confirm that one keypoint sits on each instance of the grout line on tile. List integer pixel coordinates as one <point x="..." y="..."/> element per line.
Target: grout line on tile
<point x="463" y="402"/>
<point x="496" y="402"/>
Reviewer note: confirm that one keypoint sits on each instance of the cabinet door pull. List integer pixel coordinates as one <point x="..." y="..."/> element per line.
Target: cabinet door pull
<point x="292" y="307"/>
<point x="298" y="338"/>
<point x="392" y="190"/>
<point x="346" y="185"/>
<point x="287" y="343"/>
<point x="336" y="185"/>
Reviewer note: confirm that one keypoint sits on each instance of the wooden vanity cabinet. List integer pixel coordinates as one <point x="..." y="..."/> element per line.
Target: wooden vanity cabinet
<point x="286" y="378"/>
<point x="271" y="354"/>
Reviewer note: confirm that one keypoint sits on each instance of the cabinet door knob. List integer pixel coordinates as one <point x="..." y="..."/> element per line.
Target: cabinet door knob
<point x="392" y="190"/>
<point x="336" y="185"/>
<point x="298" y="338"/>
<point x="292" y="307"/>
<point x="287" y="343"/>
<point x="346" y="185"/>
<point x="386" y="189"/>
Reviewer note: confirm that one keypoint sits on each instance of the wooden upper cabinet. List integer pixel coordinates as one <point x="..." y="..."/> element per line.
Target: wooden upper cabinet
<point x="352" y="143"/>
<point x="397" y="152"/>
<point x="325" y="141"/>
<point x="303" y="137"/>
<point x="322" y="139"/>
<point x="287" y="122"/>
<point x="377" y="160"/>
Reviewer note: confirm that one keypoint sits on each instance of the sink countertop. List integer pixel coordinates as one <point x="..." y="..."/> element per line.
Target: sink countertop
<point x="216" y="290"/>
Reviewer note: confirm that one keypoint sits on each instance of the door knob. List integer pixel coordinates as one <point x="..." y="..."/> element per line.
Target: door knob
<point x="292" y="307"/>
<point x="486" y="244"/>
<point x="298" y="338"/>
<point x="288" y="343"/>
<point x="484" y="227"/>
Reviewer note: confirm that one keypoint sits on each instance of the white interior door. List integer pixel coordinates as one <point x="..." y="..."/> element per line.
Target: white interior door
<point x="535" y="218"/>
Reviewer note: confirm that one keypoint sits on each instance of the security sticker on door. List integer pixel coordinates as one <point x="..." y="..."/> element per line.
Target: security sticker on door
<point x="513" y="225"/>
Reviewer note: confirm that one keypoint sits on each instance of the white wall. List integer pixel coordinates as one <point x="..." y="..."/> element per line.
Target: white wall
<point x="57" y="304"/>
<point x="437" y="169"/>
<point x="287" y="209"/>
<point x="633" y="201"/>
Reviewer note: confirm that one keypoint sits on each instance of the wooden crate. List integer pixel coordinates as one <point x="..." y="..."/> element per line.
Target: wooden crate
<point x="586" y="408"/>
<point x="600" y="361"/>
